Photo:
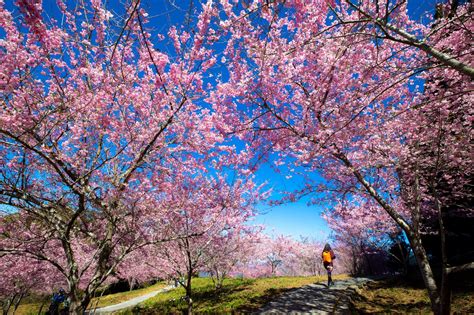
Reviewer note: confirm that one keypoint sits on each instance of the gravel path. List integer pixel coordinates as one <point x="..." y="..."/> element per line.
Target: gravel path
<point x="129" y="303"/>
<point x="315" y="299"/>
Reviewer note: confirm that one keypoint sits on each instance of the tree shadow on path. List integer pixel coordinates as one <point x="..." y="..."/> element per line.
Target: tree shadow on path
<point x="315" y="298"/>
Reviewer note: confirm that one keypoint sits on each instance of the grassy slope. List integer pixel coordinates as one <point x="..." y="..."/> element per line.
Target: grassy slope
<point x="398" y="297"/>
<point x="116" y="298"/>
<point x="111" y="299"/>
<point x="237" y="295"/>
<point x="245" y="295"/>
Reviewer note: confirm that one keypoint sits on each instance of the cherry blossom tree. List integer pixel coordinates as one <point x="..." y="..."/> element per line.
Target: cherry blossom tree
<point x="209" y="219"/>
<point x="93" y="117"/>
<point x="279" y="254"/>
<point x="136" y="268"/>
<point x="285" y="256"/>
<point x="275" y="256"/>
<point x="336" y="89"/>
<point x="22" y="276"/>
<point x="309" y="257"/>
<point x="365" y="229"/>
<point x="102" y="134"/>
<point x="228" y="254"/>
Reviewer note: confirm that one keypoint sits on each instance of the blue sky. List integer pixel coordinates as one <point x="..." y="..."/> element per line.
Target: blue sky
<point x="295" y="219"/>
<point x="298" y="219"/>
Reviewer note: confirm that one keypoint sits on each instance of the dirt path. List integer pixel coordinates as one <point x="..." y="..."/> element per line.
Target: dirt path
<point x="129" y="303"/>
<point x="315" y="299"/>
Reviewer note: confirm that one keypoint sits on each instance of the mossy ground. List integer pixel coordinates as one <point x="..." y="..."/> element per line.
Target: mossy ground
<point x="397" y="296"/>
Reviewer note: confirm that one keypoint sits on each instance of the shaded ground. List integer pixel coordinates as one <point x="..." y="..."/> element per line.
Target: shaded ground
<point x="298" y="294"/>
<point x="399" y="296"/>
<point x="237" y="296"/>
<point x="316" y="299"/>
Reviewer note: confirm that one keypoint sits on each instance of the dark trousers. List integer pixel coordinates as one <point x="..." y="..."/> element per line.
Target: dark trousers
<point x="329" y="268"/>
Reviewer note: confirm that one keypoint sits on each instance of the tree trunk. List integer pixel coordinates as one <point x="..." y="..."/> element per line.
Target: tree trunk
<point x="6" y="307"/>
<point x="354" y="262"/>
<point x="221" y="280"/>
<point x="40" y="311"/>
<point x="412" y="232"/>
<point x="75" y="307"/>
<point x="404" y="258"/>
<point x="85" y="302"/>
<point x="17" y="301"/>
<point x="189" y="299"/>
<point x="370" y="271"/>
<point x="78" y="306"/>
<point x="74" y="300"/>
<point x="445" y="294"/>
<point x="426" y="272"/>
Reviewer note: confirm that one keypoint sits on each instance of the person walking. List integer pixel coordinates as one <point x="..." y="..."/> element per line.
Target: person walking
<point x="328" y="257"/>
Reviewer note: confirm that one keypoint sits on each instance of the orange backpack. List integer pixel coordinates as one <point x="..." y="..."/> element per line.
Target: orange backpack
<point x="327" y="257"/>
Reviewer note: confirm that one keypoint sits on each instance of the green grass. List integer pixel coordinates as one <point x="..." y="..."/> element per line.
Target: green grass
<point x="396" y="296"/>
<point x="116" y="298"/>
<point x="237" y="295"/>
<point x="32" y="308"/>
<point x="111" y="299"/>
